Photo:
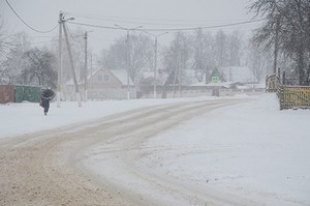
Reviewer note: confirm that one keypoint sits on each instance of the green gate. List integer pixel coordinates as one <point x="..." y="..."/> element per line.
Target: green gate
<point x="27" y="93"/>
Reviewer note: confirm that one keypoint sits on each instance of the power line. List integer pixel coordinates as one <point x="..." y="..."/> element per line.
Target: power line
<point x="172" y="29"/>
<point x="28" y="24"/>
<point x="136" y="21"/>
<point x="96" y="26"/>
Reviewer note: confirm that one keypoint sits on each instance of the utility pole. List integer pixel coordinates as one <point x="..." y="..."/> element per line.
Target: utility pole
<point x="128" y="64"/>
<point x="155" y="69"/>
<point x="85" y="69"/>
<point x="78" y="96"/>
<point x="177" y="68"/>
<point x="155" y="60"/>
<point x="59" y="82"/>
<point x="180" y="79"/>
<point x="128" y="56"/>
<point x="91" y="75"/>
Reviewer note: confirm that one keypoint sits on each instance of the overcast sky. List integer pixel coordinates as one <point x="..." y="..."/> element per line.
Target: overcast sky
<point x="150" y="14"/>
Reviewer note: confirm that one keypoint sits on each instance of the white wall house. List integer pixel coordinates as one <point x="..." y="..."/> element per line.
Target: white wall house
<point x="104" y="84"/>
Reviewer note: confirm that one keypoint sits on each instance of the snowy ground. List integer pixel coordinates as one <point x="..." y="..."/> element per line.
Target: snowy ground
<point x="250" y="151"/>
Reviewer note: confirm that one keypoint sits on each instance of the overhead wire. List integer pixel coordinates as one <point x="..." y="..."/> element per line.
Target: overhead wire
<point x="170" y="29"/>
<point x="36" y="30"/>
<point x="133" y="21"/>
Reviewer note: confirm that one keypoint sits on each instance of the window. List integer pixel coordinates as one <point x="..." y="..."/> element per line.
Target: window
<point x="106" y="78"/>
<point x="215" y="79"/>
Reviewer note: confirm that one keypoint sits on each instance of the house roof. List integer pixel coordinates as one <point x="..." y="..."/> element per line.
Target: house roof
<point x="121" y="75"/>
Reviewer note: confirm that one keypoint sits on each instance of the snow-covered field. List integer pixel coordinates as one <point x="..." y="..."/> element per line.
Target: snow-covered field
<point x="250" y="151"/>
<point x="253" y="151"/>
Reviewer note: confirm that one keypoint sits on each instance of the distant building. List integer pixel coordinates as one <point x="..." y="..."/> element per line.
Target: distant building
<point x="104" y="84"/>
<point x="216" y="77"/>
<point x="231" y="77"/>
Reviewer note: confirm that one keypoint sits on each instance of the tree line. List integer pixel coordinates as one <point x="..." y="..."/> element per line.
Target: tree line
<point x="194" y="54"/>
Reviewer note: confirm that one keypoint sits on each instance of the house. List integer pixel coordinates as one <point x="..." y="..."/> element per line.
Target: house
<point x="105" y="84"/>
<point x="106" y="78"/>
<point x="216" y="77"/>
<point x="231" y="77"/>
<point x="226" y="81"/>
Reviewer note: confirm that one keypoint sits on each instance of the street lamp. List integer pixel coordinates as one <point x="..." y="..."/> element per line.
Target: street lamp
<point x="155" y="61"/>
<point x="128" y="55"/>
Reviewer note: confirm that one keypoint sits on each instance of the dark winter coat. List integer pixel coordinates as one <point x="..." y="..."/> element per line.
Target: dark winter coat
<point x="45" y="103"/>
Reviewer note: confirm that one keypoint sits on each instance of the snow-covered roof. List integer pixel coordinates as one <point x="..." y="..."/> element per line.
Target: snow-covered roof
<point x="121" y="75"/>
<point x="220" y="84"/>
<point x="229" y="85"/>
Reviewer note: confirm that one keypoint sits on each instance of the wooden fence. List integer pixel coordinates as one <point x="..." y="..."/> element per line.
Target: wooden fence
<point x="290" y="97"/>
<point x="294" y="97"/>
<point x="271" y="83"/>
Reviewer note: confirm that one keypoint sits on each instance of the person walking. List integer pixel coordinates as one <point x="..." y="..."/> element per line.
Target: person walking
<point x="46" y="96"/>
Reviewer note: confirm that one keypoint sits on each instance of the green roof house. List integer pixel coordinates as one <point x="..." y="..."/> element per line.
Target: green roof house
<point x="216" y="77"/>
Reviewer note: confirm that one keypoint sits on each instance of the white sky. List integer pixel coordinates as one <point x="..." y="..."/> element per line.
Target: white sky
<point x="43" y="15"/>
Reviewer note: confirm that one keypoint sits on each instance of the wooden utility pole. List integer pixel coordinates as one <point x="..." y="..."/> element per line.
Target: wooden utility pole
<point x="59" y="59"/>
<point x="85" y="72"/>
<point x="78" y="96"/>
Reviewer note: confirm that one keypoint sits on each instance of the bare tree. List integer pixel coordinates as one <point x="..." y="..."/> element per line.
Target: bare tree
<point x="259" y="59"/>
<point x="203" y="57"/>
<point x="39" y="68"/>
<point x="141" y="55"/>
<point x="221" y="48"/>
<point x="177" y="57"/>
<point x="234" y="49"/>
<point x="14" y="62"/>
<point x="286" y="29"/>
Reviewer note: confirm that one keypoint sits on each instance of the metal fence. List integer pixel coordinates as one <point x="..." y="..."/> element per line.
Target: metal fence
<point x="19" y="93"/>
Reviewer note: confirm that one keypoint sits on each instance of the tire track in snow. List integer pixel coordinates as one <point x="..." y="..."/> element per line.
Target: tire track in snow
<point x="45" y="168"/>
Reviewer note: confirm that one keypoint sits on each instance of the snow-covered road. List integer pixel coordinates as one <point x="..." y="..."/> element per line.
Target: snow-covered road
<point x="226" y="151"/>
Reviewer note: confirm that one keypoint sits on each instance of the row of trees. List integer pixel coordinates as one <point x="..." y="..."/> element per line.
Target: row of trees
<point x="287" y="32"/>
<point x="194" y="54"/>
